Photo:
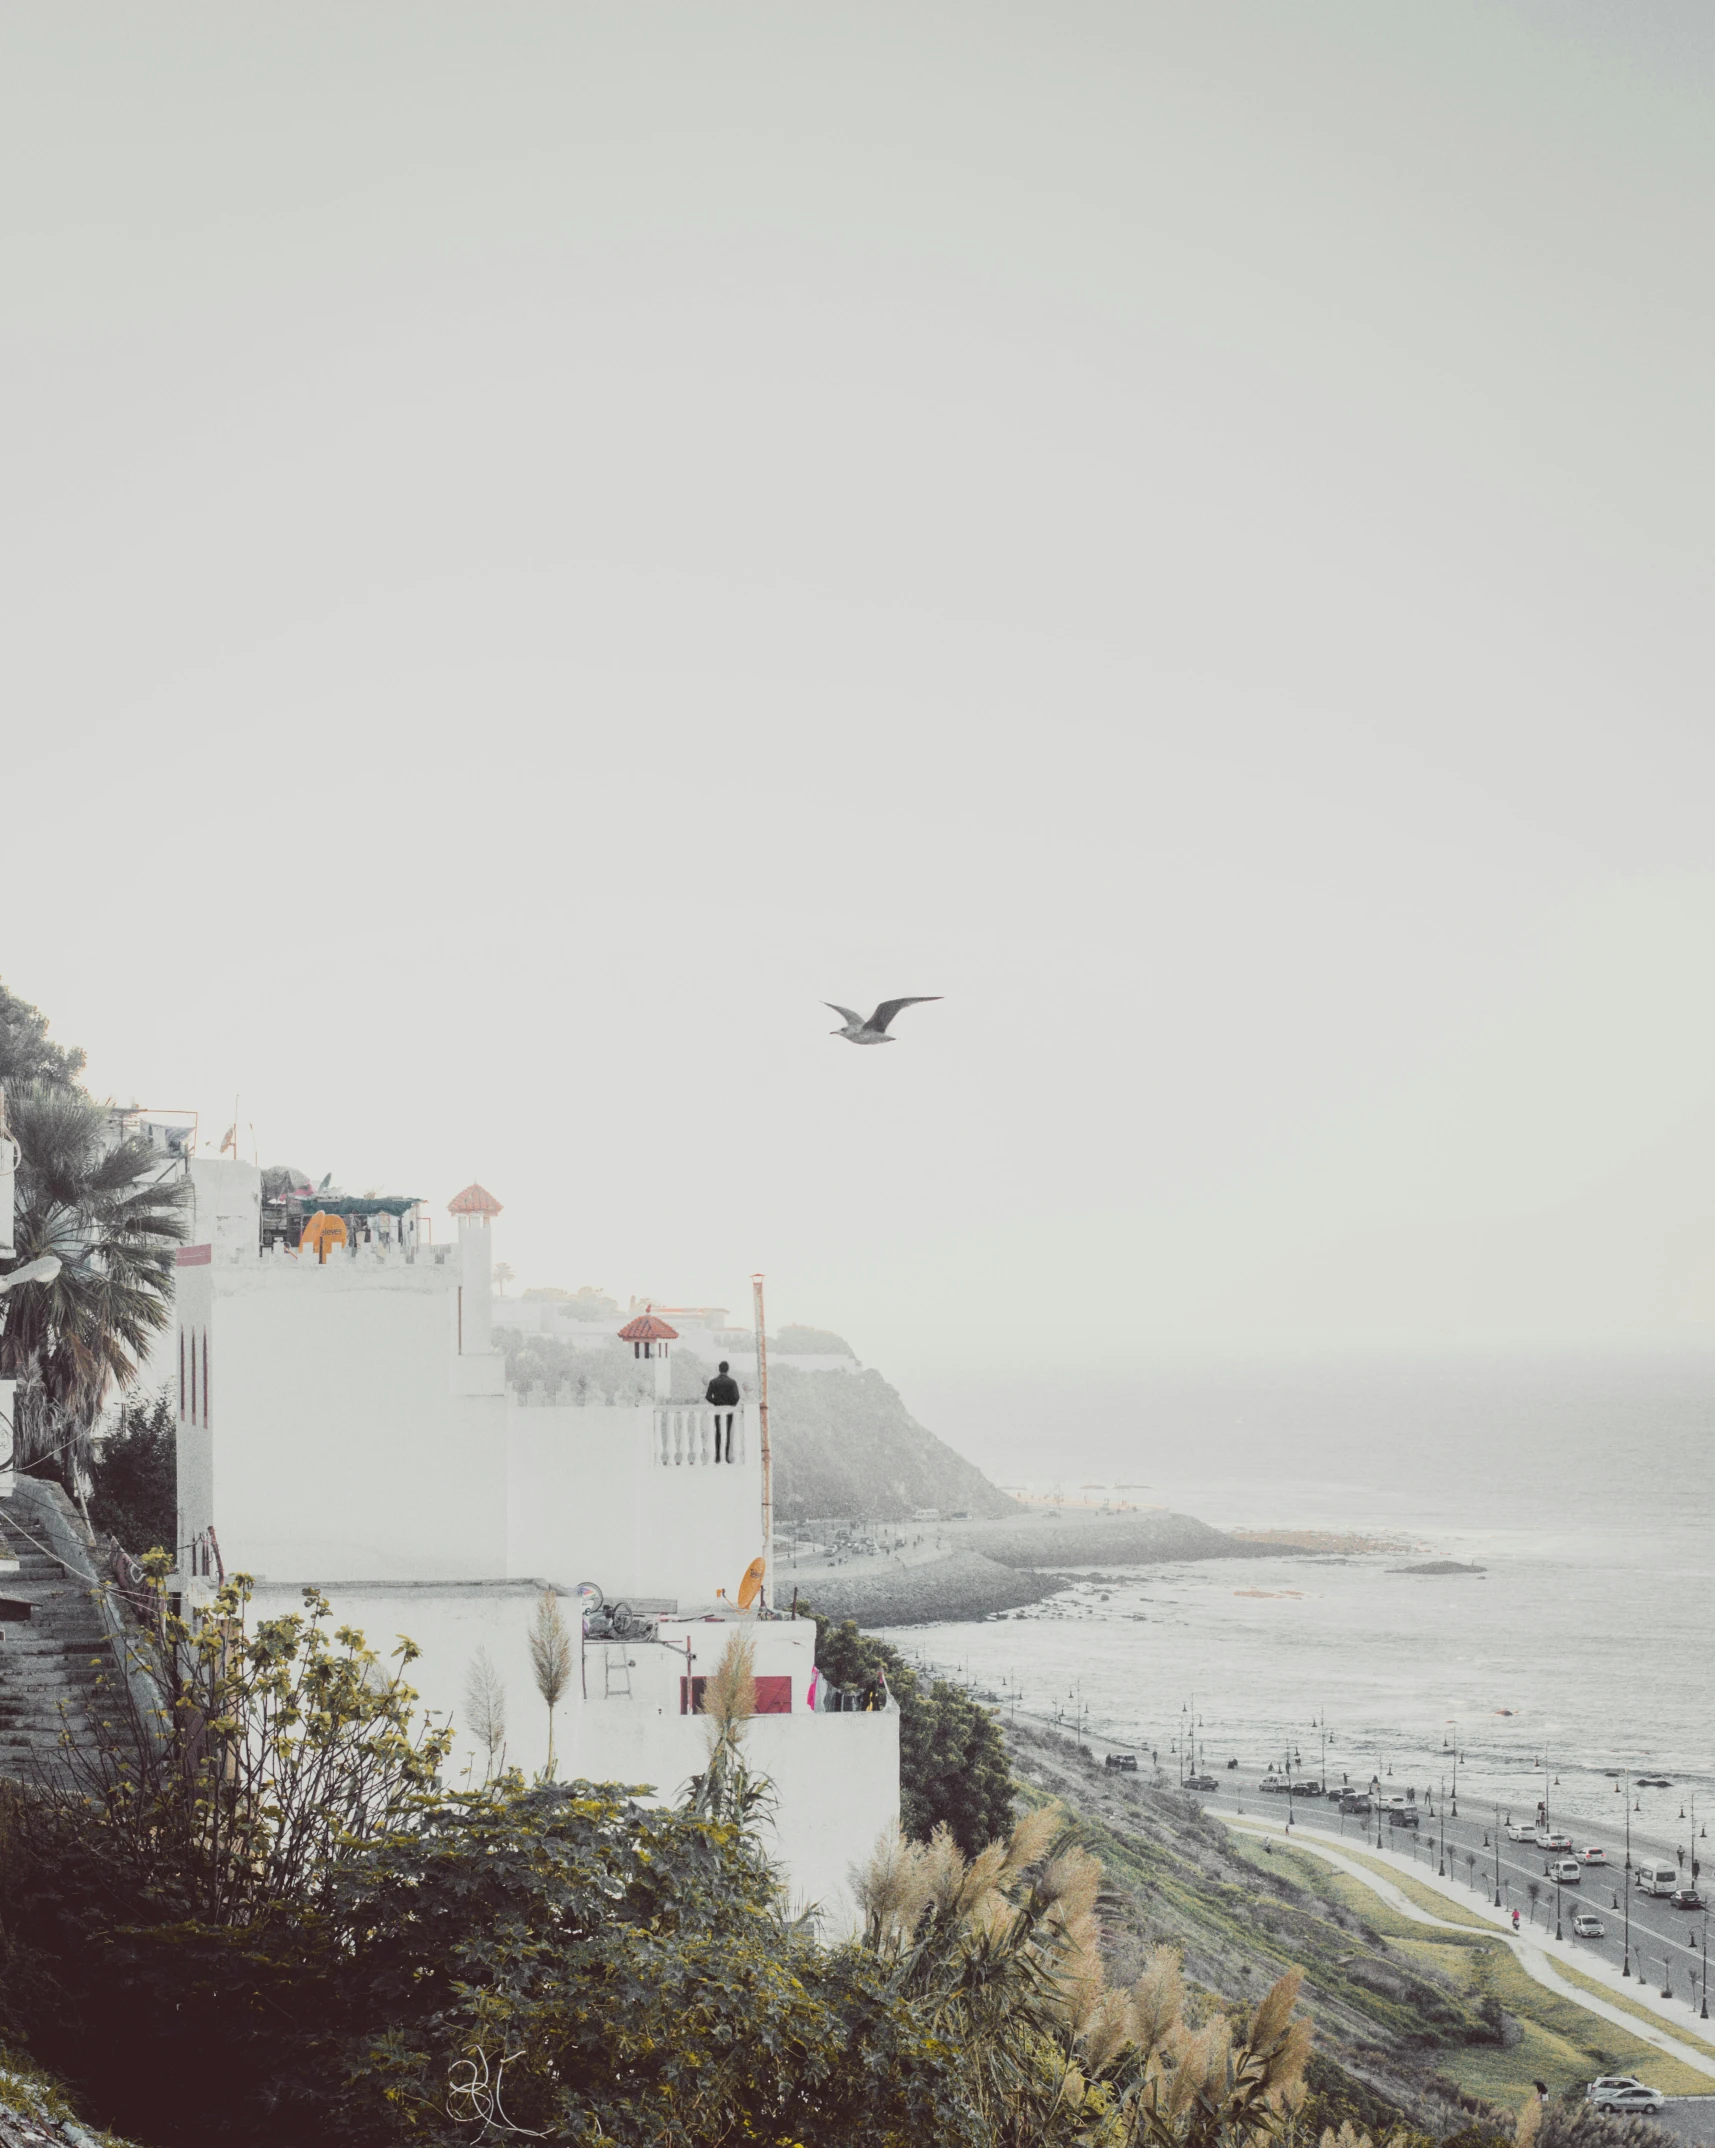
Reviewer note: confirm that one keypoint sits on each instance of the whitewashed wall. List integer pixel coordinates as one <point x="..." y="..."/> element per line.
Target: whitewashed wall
<point x="588" y="1501"/>
<point x="835" y="1777"/>
<point x="345" y="1439"/>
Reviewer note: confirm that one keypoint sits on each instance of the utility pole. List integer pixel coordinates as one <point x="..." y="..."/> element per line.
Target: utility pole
<point x="767" y="1458"/>
<point x="1497" y="1857"/>
<point x="1626" y="1883"/>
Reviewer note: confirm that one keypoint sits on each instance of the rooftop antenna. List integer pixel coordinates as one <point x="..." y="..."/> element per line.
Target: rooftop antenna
<point x="762" y="1414"/>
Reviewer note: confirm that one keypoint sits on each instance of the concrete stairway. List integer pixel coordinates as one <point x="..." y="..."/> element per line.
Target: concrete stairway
<point x="49" y="1665"/>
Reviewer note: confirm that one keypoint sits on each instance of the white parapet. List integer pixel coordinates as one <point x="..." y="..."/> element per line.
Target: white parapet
<point x="698" y="1435"/>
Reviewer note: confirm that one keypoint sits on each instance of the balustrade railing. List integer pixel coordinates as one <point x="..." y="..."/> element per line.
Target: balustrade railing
<point x="698" y="1435"/>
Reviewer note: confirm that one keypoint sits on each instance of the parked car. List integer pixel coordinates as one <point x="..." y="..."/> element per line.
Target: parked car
<point x="1200" y="1782"/>
<point x="1594" y="1855"/>
<point x="1550" y="1838"/>
<point x="1587" y="1925"/>
<point x="1685" y="1898"/>
<point x="1606" y="2081"/>
<point x="1564" y="1871"/>
<point x="1630" y="2099"/>
<point x="1520" y="1831"/>
<point x="1125" y="1763"/>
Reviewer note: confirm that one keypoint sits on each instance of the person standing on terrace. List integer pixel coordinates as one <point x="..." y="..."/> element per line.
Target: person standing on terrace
<point x="723" y="1393"/>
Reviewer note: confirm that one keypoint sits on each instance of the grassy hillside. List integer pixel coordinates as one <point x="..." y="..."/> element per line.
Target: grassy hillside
<point x="845" y="1444"/>
<point x="1432" y="2020"/>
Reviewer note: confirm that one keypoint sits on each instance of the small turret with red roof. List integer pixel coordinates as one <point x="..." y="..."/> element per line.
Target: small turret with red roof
<point x="651" y="1337"/>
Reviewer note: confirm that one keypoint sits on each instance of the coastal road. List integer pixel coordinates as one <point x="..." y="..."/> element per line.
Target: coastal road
<point x="1666" y="1943"/>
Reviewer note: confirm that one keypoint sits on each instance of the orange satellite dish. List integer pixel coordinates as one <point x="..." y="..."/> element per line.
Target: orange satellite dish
<point x="750" y="1588"/>
<point x="322" y="1234"/>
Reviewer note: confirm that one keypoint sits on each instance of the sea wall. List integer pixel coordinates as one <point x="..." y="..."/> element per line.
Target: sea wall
<point x="974" y="1568"/>
<point x="963" y="1585"/>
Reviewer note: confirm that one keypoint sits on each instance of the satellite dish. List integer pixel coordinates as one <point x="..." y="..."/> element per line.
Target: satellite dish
<point x="589" y="1594"/>
<point x="750" y="1588"/>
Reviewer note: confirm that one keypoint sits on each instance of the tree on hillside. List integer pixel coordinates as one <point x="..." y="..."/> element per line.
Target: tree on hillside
<point x="25" y="1052"/>
<point x="133" y="1491"/>
<point x="952" y="1761"/>
<point x="811" y="1342"/>
<point x="114" y="1218"/>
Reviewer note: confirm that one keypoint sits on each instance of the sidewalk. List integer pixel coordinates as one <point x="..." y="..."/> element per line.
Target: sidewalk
<point x="1535" y="1957"/>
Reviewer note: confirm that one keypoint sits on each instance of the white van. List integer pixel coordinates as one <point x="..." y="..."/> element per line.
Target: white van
<point x="1655" y="1878"/>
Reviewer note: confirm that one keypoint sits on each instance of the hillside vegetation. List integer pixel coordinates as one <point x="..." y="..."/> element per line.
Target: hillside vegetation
<point x="845" y="1444"/>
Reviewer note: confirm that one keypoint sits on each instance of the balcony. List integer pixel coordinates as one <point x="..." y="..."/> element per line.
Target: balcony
<point x="684" y="1436"/>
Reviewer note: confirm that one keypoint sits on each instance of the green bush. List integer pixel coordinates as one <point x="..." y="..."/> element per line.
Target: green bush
<point x="133" y="1491"/>
<point x="952" y="1758"/>
<point x="260" y="1916"/>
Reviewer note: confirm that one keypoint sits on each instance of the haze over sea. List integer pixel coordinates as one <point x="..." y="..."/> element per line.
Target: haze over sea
<point x="1580" y="1486"/>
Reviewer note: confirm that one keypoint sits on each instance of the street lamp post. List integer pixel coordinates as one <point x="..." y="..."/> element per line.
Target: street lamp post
<point x="1441" y="1868"/>
<point x="1497" y="1857"/>
<point x="1626" y="1883"/>
<point x="1703" y="2010"/>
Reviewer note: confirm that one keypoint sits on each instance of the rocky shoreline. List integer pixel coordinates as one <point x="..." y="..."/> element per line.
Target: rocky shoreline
<point x="976" y="1568"/>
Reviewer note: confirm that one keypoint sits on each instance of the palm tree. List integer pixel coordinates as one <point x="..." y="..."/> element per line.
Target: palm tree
<point x="113" y="1216"/>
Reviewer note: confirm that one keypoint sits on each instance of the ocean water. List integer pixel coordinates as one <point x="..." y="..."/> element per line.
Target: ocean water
<point x="1587" y="1645"/>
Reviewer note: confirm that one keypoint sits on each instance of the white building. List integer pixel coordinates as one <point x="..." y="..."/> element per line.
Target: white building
<point x="344" y="1422"/>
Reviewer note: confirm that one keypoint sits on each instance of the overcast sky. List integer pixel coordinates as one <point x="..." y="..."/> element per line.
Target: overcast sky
<point x="541" y="543"/>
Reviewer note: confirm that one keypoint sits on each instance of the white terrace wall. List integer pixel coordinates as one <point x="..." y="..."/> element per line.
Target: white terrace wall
<point x="329" y="1427"/>
<point x="632" y="1500"/>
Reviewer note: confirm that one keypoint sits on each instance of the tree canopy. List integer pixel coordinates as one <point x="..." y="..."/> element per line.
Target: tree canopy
<point x="26" y="1054"/>
<point x="133" y="1492"/>
<point x="952" y="1758"/>
<point x="114" y="1219"/>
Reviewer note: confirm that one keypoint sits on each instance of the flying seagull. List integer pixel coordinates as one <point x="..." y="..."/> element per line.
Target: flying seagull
<point x="874" y="1031"/>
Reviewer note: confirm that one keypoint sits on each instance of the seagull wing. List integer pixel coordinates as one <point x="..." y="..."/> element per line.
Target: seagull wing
<point x="890" y="1007"/>
<point x="851" y="1014"/>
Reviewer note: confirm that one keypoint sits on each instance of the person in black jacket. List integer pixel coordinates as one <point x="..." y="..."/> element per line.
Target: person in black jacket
<point x="723" y="1393"/>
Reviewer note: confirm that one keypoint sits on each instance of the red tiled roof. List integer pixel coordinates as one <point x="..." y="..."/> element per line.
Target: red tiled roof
<point x="648" y="1327"/>
<point x="474" y="1201"/>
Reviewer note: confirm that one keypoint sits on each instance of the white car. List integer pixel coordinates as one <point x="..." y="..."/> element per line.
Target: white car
<point x="1631" y="2099"/>
<point x="1606" y="2081"/>
<point x="1594" y="1855"/>
<point x="1563" y="1871"/>
<point x="1587" y="1925"/>
<point x="1517" y="1831"/>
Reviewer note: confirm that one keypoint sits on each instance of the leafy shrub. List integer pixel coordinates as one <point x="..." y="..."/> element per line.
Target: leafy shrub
<point x="952" y="1758"/>
<point x="133" y="1493"/>
<point x="256" y="1913"/>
